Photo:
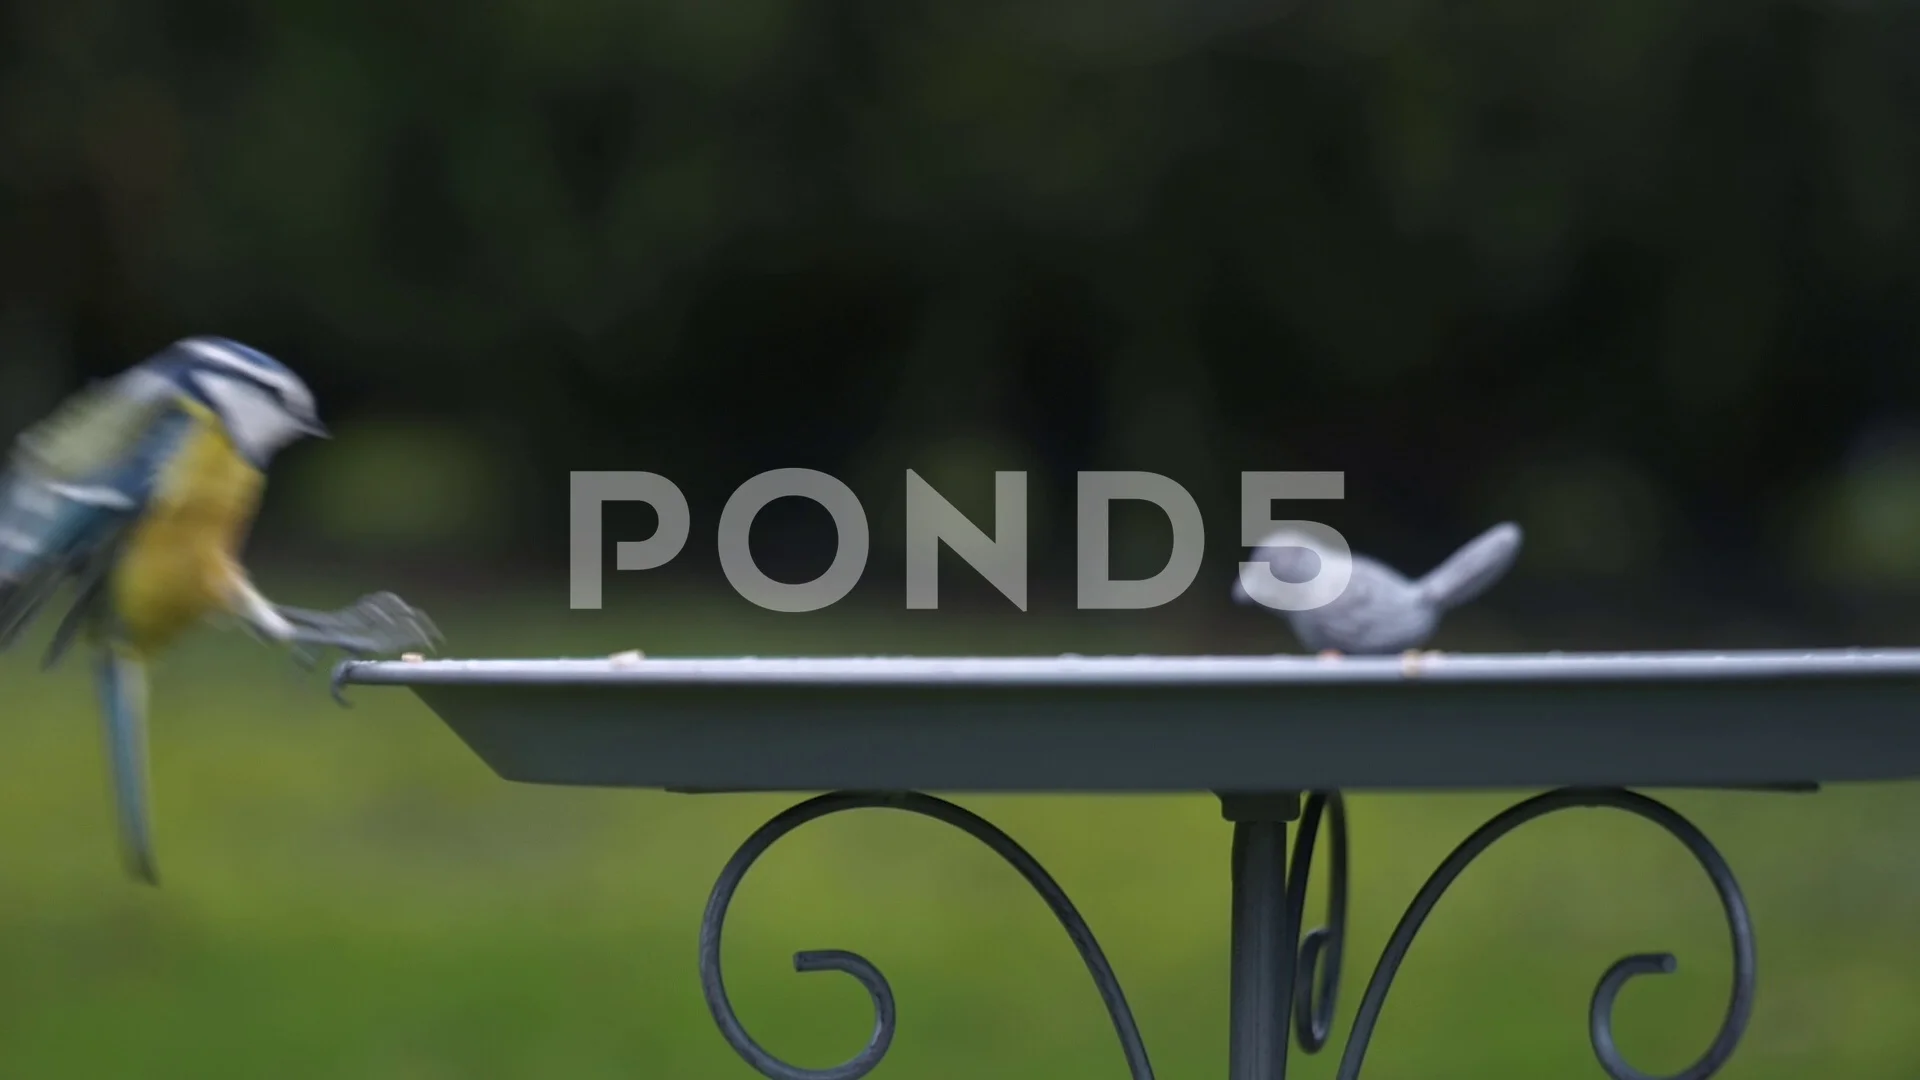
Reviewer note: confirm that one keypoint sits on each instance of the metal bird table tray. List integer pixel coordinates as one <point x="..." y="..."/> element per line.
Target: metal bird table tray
<point x="1277" y="738"/>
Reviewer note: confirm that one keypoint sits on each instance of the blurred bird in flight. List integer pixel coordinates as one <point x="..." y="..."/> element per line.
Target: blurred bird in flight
<point x="140" y="491"/>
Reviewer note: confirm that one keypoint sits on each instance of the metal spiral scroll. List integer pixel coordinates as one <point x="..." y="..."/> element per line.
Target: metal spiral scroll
<point x="1600" y="1014"/>
<point x="857" y="966"/>
<point x="1322" y="946"/>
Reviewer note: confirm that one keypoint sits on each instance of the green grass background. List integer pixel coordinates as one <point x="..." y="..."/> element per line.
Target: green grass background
<point x="350" y="894"/>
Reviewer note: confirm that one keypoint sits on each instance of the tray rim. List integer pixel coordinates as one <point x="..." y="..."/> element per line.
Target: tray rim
<point x="1075" y="671"/>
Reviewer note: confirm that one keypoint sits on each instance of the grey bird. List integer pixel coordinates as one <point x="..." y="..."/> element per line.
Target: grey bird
<point x="1381" y="611"/>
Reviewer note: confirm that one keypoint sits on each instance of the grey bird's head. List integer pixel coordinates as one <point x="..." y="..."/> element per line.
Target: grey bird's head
<point x="1290" y="555"/>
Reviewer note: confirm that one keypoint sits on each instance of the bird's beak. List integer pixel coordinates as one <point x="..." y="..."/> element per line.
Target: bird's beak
<point x="317" y="430"/>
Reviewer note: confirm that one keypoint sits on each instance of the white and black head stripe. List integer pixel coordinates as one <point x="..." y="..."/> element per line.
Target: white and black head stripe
<point x="252" y="366"/>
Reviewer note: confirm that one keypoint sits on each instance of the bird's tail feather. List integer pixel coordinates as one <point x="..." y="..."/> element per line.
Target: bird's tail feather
<point x="1468" y="572"/>
<point x="123" y="702"/>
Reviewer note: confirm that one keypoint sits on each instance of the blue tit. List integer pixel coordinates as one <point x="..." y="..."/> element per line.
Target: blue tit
<point x="140" y="491"/>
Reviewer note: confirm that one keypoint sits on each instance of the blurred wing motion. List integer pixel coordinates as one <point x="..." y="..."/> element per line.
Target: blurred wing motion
<point x="77" y="481"/>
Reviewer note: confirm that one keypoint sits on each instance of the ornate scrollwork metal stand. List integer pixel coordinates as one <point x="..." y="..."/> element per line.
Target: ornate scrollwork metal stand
<point x="1273" y="964"/>
<point x="714" y="921"/>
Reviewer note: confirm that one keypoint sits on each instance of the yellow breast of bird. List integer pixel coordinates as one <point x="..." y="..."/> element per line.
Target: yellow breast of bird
<point x="182" y="557"/>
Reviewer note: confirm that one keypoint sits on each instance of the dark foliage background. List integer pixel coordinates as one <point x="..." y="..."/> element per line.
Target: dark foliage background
<point x="1638" y="275"/>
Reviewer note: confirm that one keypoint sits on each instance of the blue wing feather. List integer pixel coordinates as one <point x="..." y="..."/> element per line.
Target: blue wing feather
<point x="56" y="530"/>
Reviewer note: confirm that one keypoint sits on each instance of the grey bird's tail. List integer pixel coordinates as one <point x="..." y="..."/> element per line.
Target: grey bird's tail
<point x="1468" y="572"/>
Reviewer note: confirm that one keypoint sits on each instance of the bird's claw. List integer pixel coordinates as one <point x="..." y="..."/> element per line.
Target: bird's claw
<point x="389" y="624"/>
<point x="375" y="624"/>
<point x="337" y="686"/>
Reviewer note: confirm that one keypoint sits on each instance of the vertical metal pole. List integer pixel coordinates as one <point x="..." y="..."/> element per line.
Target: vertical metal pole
<point x="1265" y="947"/>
